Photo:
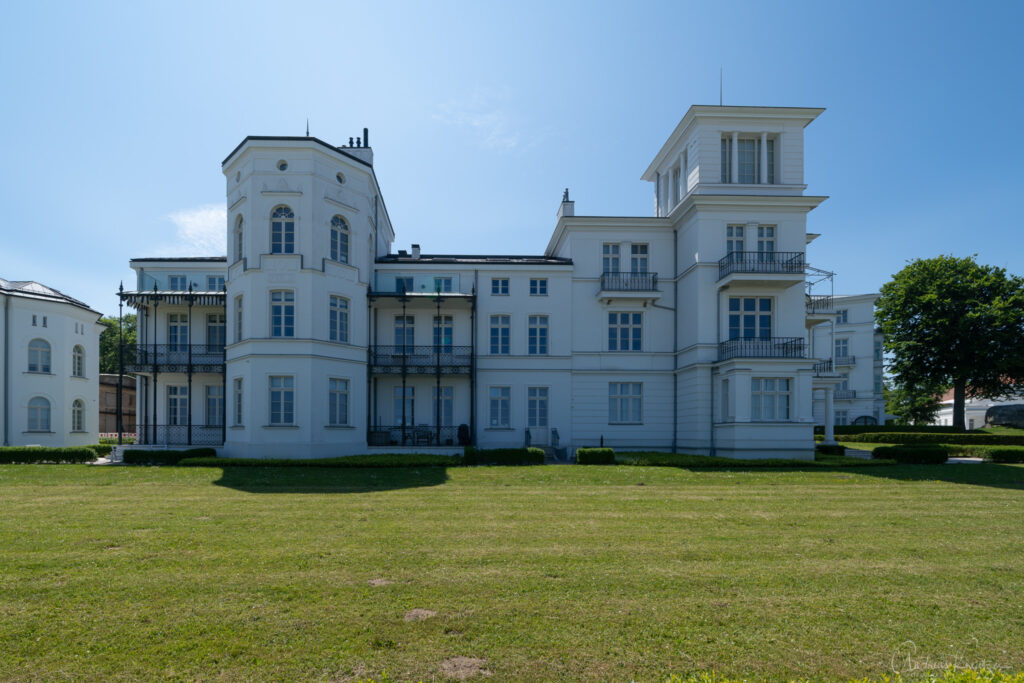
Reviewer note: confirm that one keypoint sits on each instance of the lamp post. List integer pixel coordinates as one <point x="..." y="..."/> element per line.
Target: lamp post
<point x="120" y="360"/>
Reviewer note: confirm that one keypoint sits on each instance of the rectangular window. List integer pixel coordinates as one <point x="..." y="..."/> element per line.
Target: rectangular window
<point x="177" y="405"/>
<point x="177" y="332"/>
<point x="499" y="286"/>
<point x="444" y="327"/>
<point x="214" y="405"/>
<point x="748" y="157"/>
<point x="771" y="161"/>
<point x="338" y="319"/>
<point x="44" y="321"/>
<point x="878" y="349"/>
<point x="537" y="407"/>
<point x="500" y="333"/>
<point x="538" y="335"/>
<point x="500" y="403"/>
<point x="842" y="417"/>
<point x="405" y="405"/>
<point x="675" y="186"/>
<point x="845" y="384"/>
<point x="625" y="331"/>
<point x="842" y="316"/>
<point x="748" y="160"/>
<point x="177" y="283"/>
<point x="337" y="403"/>
<point x="769" y="399"/>
<point x="842" y="348"/>
<point x="442" y="284"/>
<point x="750" y="317"/>
<point x="444" y="409"/>
<point x="726" y="161"/>
<point x="538" y="286"/>
<point x="625" y="402"/>
<point x="765" y="239"/>
<point x="282" y="314"/>
<point x="238" y="319"/>
<point x="282" y="400"/>
<point x="733" y="238"/>
<point x="216" y="333"/>
<point x="33" y="321"/>
<point x="403" y="284"/>
<point x="215" y="283"/>
<point x="610" y="258"/>
<point x="638" y="258"/>
<point x="238" y="402"/>
<point x="878" y="384"/>
<point x="405" y="331"/>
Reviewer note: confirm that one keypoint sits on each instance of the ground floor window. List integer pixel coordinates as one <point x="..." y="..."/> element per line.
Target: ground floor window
<point x="842" y="417"/>
<point x="337" y="402"/>
<point x="282" y="400"/>
<point x="78" y="415"/>
<point x="537" y="407"/>
<point x="215" y="405"/>
<point x="238" y="402"/>
<point x="625" y="402"/>
<point x="404" y="405"/>
<point x="769" y="399"/>
<point x="444" y="409"/>
<point x="500" y="402"/>
<point x="38" y="415"/>
<point x="177" y="405"/>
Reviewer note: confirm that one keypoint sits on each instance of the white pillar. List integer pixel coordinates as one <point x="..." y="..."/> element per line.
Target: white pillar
<point x="830" y="418"/>
<point x="735" y="158"/>
<point x="764" y="158"/>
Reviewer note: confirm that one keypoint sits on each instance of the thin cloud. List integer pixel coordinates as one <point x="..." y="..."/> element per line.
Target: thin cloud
<point x="198" y="232"/>
<point x="483" y="118"/>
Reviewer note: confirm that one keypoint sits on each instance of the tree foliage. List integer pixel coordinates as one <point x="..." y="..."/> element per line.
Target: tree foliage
<point x="912" y="405"/>
<point x="950" y="322"/>
<point x="109" y="341"/>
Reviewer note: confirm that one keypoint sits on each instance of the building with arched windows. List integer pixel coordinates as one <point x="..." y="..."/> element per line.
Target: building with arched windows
<point x="49" y="367"/>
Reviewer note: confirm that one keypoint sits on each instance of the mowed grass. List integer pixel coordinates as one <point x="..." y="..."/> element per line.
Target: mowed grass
<point x="543" y="573"/>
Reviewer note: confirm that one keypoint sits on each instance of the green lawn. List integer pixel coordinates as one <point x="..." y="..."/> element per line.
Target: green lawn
<point x="536" y="573"/>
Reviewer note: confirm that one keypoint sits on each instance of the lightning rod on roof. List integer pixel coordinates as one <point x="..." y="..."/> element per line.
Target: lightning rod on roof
<point x="307" y="126"/>
<point x="719" y="88"/>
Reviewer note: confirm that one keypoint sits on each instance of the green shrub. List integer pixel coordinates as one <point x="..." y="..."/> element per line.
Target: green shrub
<point x="374" y="460"/>
<point x="595" y="456"/>
<point x="833" y="449"/>
<point x="102" y="449"/>
<point x="503" y="456"/>
<point x="39" y="454"/>
<point x="907" y="438"/>
<point x="138" y="456"/>
<point x="1005" y="454"/>
<point x="871" y="429"/>
<point x="930" y="454"/>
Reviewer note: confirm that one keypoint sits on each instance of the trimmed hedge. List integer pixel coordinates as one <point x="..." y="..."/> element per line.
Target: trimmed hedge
<point x="868" y="429"/>
<point x="102" y="449"/>
<point x="932" y="454"/>
<point x="374" y="460"/>
<point x="1005" y="455"/>
<point x="146" y="457"/>
<point x="595" y="456"/>
<point x="659" y="459"/>
<point x="503" y="456"/>
<point x="907" y="438"/>
<point x="834" y="449"/>
<point x="41" y="454"/>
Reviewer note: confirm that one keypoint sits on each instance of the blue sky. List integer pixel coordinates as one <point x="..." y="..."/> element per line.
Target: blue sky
<point x="115" y="118"/>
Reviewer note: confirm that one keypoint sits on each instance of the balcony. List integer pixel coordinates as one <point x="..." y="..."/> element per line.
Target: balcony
<point x="783" y="267"/>
<point x="174" y="358"/>
<point x="179" y="435"/>
<point x="820" y="304"/>
<point x="387" y="283"/>
<point x="824" y="369"/>
<point x="629" y="286"/>
<point x="415" y="435"/>
<point x="421" y="360"/>
<point x="845" y="360"/>
<point x="845" y="394"/>
<point x="763" y="347"/>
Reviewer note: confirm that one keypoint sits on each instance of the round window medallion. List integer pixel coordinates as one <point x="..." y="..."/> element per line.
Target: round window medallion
<point x="282" y="165"/>
<point x="341" y="178"/>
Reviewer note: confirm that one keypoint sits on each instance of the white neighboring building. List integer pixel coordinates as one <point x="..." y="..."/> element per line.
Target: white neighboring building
<point x="854" y="346"/>
<point x="684" y="331"/>
<point x="49" y="367"/>
<point x="974" y="409"/>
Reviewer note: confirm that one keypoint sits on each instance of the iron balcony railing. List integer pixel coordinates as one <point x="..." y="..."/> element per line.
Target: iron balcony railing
<point x="421" y="359"/>
<point x="846" y="360"/>
<point x="823" y="369"/>
<point x="415" y="435"/>
<point x="845" y="394"/>
<point x="763" y="347"/>
<point x="629" y="282"/>
<point x="820" y="303"/>
<point x="174" y="357"/>
<point x="179" y="435"/>
<point x="762" y="262"/>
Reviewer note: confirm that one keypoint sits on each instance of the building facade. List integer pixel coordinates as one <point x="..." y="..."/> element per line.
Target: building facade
<point x="108" y="405"/>
<point x="688" y="330"/>
<point x="49" y="367"/>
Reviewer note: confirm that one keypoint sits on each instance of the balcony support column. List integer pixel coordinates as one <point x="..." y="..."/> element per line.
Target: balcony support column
<point x="188" y="340"/>
<point x="830" y="418"/>
<point x="156" y="365"/>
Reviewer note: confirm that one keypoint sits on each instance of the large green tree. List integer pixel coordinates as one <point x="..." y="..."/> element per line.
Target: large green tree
<point x="912" y="405"/>
<point x="109" y="341"/>
<point x="950" y="322"/>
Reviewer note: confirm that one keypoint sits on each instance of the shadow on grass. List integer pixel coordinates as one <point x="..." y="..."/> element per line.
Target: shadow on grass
<point x="329" y="479"/>
<point x="980" y="474"/>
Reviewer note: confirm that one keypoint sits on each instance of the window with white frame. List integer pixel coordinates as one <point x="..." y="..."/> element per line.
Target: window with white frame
<point x="339" y="239"/>
<point x="842" y="417"/>
<point x="500" y="399"/>
<point x="215" y="283"/>
<point x="238" y="402"/>
<point x="733" y="238"/>
<point x="878" y="349"/>
<point x="337" y="403"/>
<point x="78" y="361"/>
<point x="282" y="400"/>
<point x="842" y="348"/>
<point x="765" y="239"/>
<point x="444" y="406"/>
<point x="501" y="326"/>
<point x="538" y="286"/>
<point x="675" y="186"/>
<point x="537" y="407"/>
<point x="216" y="332"/>
<point x="39" y="355"/>
<point x="177" y="332"/>
<point x="38" y="414"/>
<point x="748" y="151"/>
<point x="878" y="384"/>
<point x="610" y="258"/>
<point x="537" y="340"/>
<point x="238" y="318"/>
<point x="405" y="331"/>
<point x="404" y="284"/>
<point x="282" y="231"/>
<point x="625" y="331"/>
<point x="443" y="284"/>
<point x="625" y="402"/>
<point x="78" y="415"/>
<point x="239" y="238"/>
<point x="177" y="283"/>
<point x="282" y="313"/>
<point x="769" y="399"/>
<point x="214" y="405"/>
<point x="638" y="258"/>
<point x="842" y="315"/>
<point x="177" y="405"/>
<point x="444" y="331"/>
<point x="405" y="405"/>
<point x="499" y="286"/>
<point x="750" y="317"/>
<point x="845" y="384"/>
<point x="338" y="319"/>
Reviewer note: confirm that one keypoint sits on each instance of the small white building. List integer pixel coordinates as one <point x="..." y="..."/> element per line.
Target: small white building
<point x="687" y="330"/>
<point x="975" y="409"/>
<point x="49" y="367"/>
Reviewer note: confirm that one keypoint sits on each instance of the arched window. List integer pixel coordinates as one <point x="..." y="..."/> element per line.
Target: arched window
<point x="339" y="239"/>
<point x="282" y="231"/>
<point x="78" y="415"/>
<point x="39" y="355"/>
<point x="38" y="415"/>
<point x="238" y="239"/>
<point x="78" y="361"/>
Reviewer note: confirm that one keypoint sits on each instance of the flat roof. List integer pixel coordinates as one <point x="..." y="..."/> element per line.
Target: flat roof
<point x="506" y="259"/>
<point x="297" y="138"/>
<point x="183" y="259"/>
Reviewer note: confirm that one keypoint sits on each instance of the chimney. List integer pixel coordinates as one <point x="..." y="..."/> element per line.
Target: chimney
<point x="366" y="137"/>
<point x="567" y="207"/>
<point x="415" y="251"/>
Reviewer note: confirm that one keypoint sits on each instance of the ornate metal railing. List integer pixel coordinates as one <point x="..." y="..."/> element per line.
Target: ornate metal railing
<point x="629" y="282"/>
<point x="845" y="360"/>
<point x="820" y="303"/>
<point x="174" y="357"/>
<point x="179" y="435"/>
<point x="842" y="394"/>
<point x="421" y="359"/>
<point x="763" y="347"/>
<point x="824" y="368"/>
<point x="762" y="262"/>
<point x="415" y="435"/>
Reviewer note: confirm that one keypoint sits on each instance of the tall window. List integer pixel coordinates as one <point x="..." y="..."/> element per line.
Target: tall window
<point x="537" y="344"/>
<point x="238" y="318"/>
<point x="769" y="399"/>
<point x="748" y="159"/>
<point x="726" y="160"/>
<point x="842" y="316"/>
<point x="214" y="405"/>
<point x="638" y="258"/>
<point x="444" y="409"/>
<point x="625" y="402"/>
<point x="282" y="313"/>
<point x="405" y="331"/>
<point x="500" y="332"/>
<point x="443" y="332"/>
<point x="239" y="243"/>
<point x="766" y="238"/>
<point x="238" y="402"/>
<point x="499" y="286"/>
<point x="675" y="186"/>
<point x="610" y="258"/>
<point x="78" y="415"/>
<point x="216" y="332"/>
<point x="339" y="239"/>
<point x="282" y="400"/>
<point x="842" y="418"/>
<point x="215" y="283"/>
<point x="733" y="238"/>
<point x="500" y="402"/>
<point x="750" y="317"/>
<point x="38" y="414"/>
<point x="339" y="319"/>
<point x="538" y="286"/>
<point x="842" y="348"/>
<point x="177" y="405"/>
<point x="337" y="404"/>
<point x="78" y="361"/>
<point x="537" y="407"/>
<point x="878" y="349"/>
<point x="39" y="355"/>
<point x="845" y="384"/>
<point x="625" y="331"/>
<point x="405" y="404"/>
<point x="177" y="283"/>
<point x="282" y="231"/>
<point x="177" y="332"/>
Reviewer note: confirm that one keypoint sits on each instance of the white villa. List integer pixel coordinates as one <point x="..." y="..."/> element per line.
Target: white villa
<point x="689" y="330"/>
<point x="49" y="367"/>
